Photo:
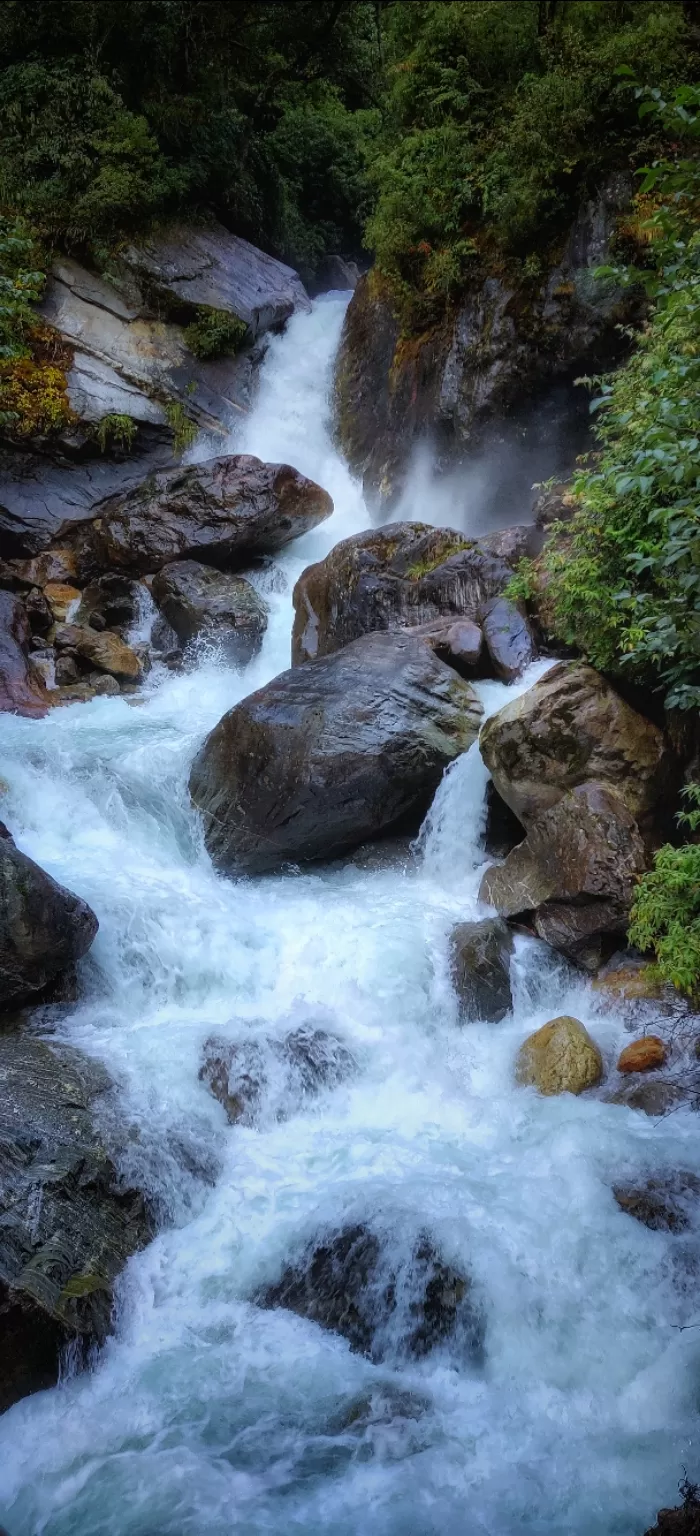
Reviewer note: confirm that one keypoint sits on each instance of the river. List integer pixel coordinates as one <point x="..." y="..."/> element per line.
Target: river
<point x="204" y="1414"/>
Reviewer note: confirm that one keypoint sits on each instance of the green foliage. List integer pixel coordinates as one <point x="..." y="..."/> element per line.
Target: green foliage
<point x="214" y="333"/>
<point x="625" y="584"/>
<point x="184" y="430"/>
<point x="495" y="129"/>
<point x="118" y="113"/>
<point x="666" y="914"/>
<point x="21" y="286"/>
<point x="116" y="430"/>
<point x="33" y="357"/>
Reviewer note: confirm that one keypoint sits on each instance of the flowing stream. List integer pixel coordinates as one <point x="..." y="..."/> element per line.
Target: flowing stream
<point x="205" y="1415"/>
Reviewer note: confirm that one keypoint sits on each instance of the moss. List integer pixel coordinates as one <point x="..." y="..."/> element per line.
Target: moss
<point x="184" y="430"/>
<point x="34" y="388"/>
<point x="116" y="431"/>
<point x="84" y="1284"/>
<point x="431" y="562"/>
<point x="214" y="333"/>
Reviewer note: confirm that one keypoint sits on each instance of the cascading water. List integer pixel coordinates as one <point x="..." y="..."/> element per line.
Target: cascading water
<point x="205" y="1414"/>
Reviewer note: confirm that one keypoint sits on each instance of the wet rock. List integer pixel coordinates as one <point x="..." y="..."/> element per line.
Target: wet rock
<point x="406" y="574"/>
<point x="459" y="645"/>
<point x="572" y="726"/>
<point x="656" y="1096"/>
<point x="223" y="509"/>
<point x="665" y="1205"/>
<point x="272" y="1078"/>
<point x="66" y="1225"/>
<point x="43" y="666"/>
<point x="38" y="612"/>
<point x="645" y="1055"/>
<point x="510" y="641"/>
<point x="197" y="600"/>
<point x="62" y="598"/>
<point x="560" y="1058"/>
<point x="112" y="601"/>
<point x="503" y="831"/>
<point x="57" y="566"/>
<point x="328" y="756"/>
<point x="575" y="873"/>
<point x="630" y="980"/>
<point x="44" y="928"/>
<point x="66" y="670"/>
<point x="353" y="1284"/>
<point x="21" y="692"/>
<point x="480" y="967"/>
<point x="104" y="650"/>
<point x="684" y="1521"/>
<point x="211" y="268"/>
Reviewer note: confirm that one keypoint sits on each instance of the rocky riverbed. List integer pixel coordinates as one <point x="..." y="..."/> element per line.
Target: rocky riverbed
<point x="340" y="1184"/>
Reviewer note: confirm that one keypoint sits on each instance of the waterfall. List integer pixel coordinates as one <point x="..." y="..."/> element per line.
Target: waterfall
<point x="205" y="1414"/>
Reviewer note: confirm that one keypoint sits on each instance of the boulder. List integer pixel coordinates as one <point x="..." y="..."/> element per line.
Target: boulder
<point x="271" y="1079"/>
<point x="480" y="967"/>
<point x="224" y="510"/>
<point x="656" y="1096"/>
<point x="43" y="927"/>
<point x="102" y="649"/>
<point x="388" y="1308"/>
<point x="21" y="691"/>
<point x="570" y="727"/>
<point x="197" y="600"/>
<point x="328" y="756"/>
<point x="560" y="1057"/>
<point x="576" y="871"/>
<point x="459" y="645"/>
<point x="663" y="1204"/>
<point x="67" y="1226"/>
<point x="645" y="1055"/>
<point x="112" y="601"/>
<point x="190" y="267"/>
<point x="406" y="574"/>
<point x="509" y="638"/>
<point x="63" y="599"/>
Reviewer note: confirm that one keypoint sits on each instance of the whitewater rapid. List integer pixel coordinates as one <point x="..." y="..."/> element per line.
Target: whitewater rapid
<point x="205" y="1415"/>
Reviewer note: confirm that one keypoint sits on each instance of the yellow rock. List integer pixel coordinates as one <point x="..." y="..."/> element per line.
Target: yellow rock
<point x="60" y="598"/>
<point x="560" y="1058"/>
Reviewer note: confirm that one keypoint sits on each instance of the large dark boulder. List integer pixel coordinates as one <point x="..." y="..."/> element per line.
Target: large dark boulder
<point x="332" y="754"/>
<point x="67" y="1227"/>
<point x="403" y="575"/>
<point x="21" y="692"/>
<point x="44" y="928"/>
<point x="270" y="1079"/>
<point x="198" y="601"/>
<point x="480" y="955"/>
<point x="387" y="1307"/>
<point x="224" y="511"/>
<point x="571" y="727"/>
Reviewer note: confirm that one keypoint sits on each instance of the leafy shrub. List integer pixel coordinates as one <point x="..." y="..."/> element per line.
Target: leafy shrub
<point x="116" y="430"/>
<point x="625" y="587"/>
<point x="214" y="333"/>
<point x="666" y="913"/>
<point x="34" y="359"/>
<point x="184" y="430"/>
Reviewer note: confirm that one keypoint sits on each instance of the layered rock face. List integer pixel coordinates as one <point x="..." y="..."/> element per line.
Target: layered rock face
<point x="332" y="754"/>
<point x="583" y="772"/>
<point x="410" y="575"/>
<point x="44" y="928"/>
<point x="502" y="344"/>
<point x="66" y="1225"/>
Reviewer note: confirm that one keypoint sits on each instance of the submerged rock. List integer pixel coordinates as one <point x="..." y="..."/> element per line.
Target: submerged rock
<point x="570" y="727"/>
<point x="330" y="755"/>
<point x="44" y="928"/>
<point x="656" y="1096"/>
<point x="21" y="690"/>
<point x="66" y="1226"/>
<point x="224" y="509"/>
<point x="480" y="966"/>
<point x="386" y="1308"/>
<point x="272" y="1078"/>
<point x="406" y="574"/>
<point x="560" y="1057"/>
<point x="663" y="1204"/>
<point x="198" y="601"/>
